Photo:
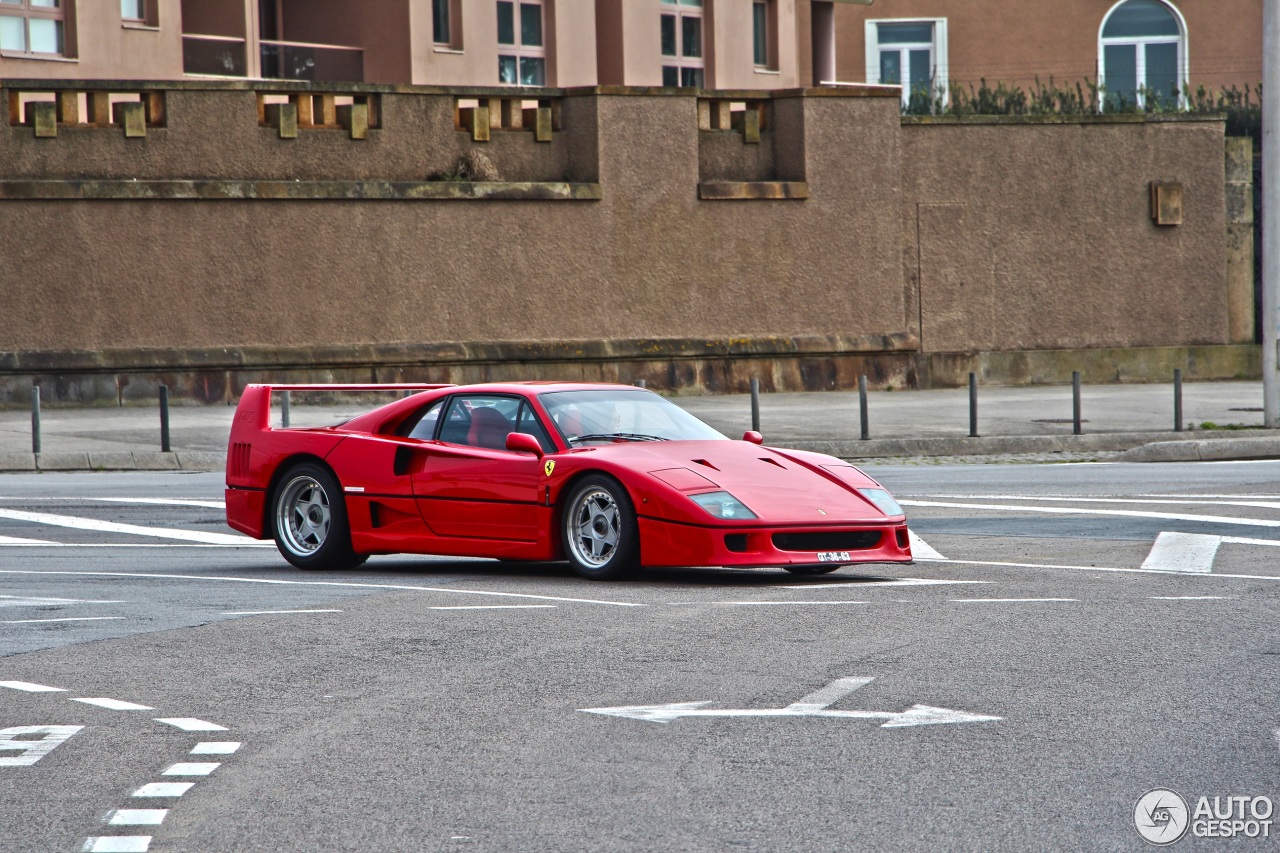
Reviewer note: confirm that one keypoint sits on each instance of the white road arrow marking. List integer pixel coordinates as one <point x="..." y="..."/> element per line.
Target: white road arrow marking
<point x="30" y="751"/>
<point x="922" y="550"/>
<point x="1183" y="552"/>
<point x="816" y="704"/>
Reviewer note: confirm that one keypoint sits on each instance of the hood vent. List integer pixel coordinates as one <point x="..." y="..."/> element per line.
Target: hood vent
<point x="773" y="462"/>
<point x="708" y="464"/>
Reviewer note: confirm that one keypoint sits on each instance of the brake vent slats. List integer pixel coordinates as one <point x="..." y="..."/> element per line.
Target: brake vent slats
<point x="240" y="459"/>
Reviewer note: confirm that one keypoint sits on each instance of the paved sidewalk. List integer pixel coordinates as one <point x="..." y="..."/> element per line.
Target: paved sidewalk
<point x="1130" y="422"/>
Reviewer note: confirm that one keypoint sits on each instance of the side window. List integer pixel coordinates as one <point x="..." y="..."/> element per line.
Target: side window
<point x="911" y="53"/>
<point x="480" y="421"/>
<point x="422" y="424"/>
<point x="528" y="423"/>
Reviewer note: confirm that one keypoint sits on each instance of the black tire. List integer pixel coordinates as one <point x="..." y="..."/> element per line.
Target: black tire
<point x="598" y="529"/>
<point x="309" y="519"/>
<point x="812" y="570"/>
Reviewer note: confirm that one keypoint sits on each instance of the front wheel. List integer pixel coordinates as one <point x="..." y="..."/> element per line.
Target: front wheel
<point x="309" y="520"/>
<point x="598" y="529"/>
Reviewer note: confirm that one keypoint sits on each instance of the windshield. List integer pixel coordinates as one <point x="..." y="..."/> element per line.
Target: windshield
<point x="607" y="415"/>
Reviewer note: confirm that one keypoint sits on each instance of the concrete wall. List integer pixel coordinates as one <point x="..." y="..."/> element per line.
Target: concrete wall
<point x="845" y="241"/>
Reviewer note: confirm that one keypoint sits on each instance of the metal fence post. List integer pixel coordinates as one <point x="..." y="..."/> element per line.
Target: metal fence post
<point x="862" y="407"/>
<point x="164" y="419"/>
<point x="1075" y="402"/>
<point x="640" y="383"/>
<point x="973" y="405"/>
<point x="35" y="418"/>
<point x="755" y="404"/>
<point x="1177" y="399"/>
<point x="284" y="408"/>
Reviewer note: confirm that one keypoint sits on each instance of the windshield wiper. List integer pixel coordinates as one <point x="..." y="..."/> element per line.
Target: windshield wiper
<point x="610" y="436"/>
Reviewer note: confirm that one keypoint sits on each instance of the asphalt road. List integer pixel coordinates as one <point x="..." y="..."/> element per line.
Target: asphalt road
<point x="424" y="704"/>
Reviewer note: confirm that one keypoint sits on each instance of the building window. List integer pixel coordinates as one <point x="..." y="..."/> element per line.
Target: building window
<point x="522" y="52"/>
<point x="764" y="33"/>
<point x="911" y="54"/>
<point x="1143" y="55"/>
<point x="32" y="26"/>
<point x="446" y="24"/>
<point x="682" y="62"/>
<point x="133" y="10"/>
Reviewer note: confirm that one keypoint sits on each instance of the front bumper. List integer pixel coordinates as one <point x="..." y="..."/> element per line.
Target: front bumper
<point x="664" y="543"/>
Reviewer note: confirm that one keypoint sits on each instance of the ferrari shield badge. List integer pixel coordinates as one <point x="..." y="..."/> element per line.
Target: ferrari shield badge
<point x="549" y="466"/>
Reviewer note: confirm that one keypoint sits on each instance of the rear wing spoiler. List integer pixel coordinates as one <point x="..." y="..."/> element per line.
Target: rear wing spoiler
<point x="254" y="408"/>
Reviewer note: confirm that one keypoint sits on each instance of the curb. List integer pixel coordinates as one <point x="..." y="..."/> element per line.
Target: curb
<point x="1245" y="444"/>
<point x="1205" y="451"/>
<point x="1132" y="447"/>
<point x="112" y="461"/>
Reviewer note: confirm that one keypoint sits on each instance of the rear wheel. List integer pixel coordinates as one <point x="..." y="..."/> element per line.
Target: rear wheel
<point x="598" y="529"/>
<point x="812" y="570"/>
<point x="309" y="520"/>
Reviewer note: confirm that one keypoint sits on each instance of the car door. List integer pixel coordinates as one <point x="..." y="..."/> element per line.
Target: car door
<point x="469" y="485"/>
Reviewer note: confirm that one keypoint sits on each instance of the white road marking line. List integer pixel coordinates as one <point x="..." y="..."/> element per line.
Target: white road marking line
<point x="216" y="747"/>
<point x="1190" y="500"/>
<point x="192" y="768"/>
<point x="898" y="582"/>
<point x="163" y="502"/>
<point x="163" y="789"/>
<point x="1059" y="510"/>
<point x="15" y="600"/>
<point x="247" y="543"/>
<point x="63" y="619"/>
<point x="340" y="584"/>
<point x="117" y="844"/>
<point x="829" y="695"/>
<point x="786" y="603"/>
<point x="114" y="704"/>
<point x="498" y="607"/>
<point x="271" y="612"/>
<point x="191" y="724"/>
<point x="13" y="540"/>
<point x="136" y="817"/>
<point x="1006" y="600"/>
<point x="97" y="525"/>
<point x="1194" y="597"/>
<point x="1009" y="565"/>
<point x="920" y="549"/>
<point x="1182" y="552"/>
<point x="28" y="687"/>
<point x="1240" y="540"/>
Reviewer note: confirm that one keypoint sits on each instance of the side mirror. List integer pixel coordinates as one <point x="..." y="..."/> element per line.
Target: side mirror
<point x="522" y="442"/>
<point x="753" y="437"/>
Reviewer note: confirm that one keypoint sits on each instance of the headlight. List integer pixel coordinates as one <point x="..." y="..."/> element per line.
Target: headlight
<point x="883" y="500"/>
<point x="723" y="505"/>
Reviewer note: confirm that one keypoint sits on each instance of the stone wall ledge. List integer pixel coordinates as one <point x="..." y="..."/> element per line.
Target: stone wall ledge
<point x="752" y="190"/>
<point x="113" y="190"/>
<point x="447" y="352"/>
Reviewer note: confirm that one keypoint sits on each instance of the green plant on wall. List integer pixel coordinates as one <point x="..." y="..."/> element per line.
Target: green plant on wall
<point x="1241" y="107"/>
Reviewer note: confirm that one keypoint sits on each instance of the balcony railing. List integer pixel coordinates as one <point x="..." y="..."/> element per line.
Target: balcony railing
<point x="327" y="63"/>
<point x="213" y="55"/>
<point x="224" y="56"/>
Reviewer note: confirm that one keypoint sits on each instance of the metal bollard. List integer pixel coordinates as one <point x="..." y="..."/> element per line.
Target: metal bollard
<point x="973" y="405"/>
<point x="284" y="408"/>
<point x="1075" y="402"/>
<point x="862" y="407"/>
<point x="164" y="419"/>
<point x="35" y="418"/>
<point x="755" y="404"/>
<point x="1177" y="399"/>
<point x="640" y="383"/>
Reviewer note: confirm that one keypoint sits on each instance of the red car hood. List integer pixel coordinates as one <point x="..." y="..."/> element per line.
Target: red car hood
<point x="779" y="486"/>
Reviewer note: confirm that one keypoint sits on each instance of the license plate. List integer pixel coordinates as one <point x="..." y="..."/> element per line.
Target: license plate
<point x="833" y="557"/>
